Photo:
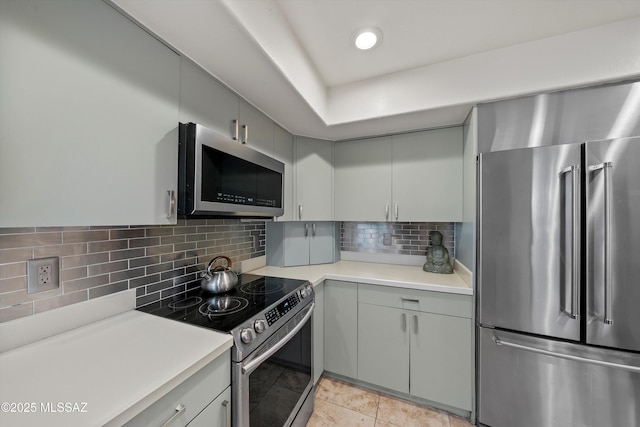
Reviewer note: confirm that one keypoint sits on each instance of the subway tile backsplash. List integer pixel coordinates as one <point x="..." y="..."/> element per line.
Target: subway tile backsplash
<point x="405" y="238"/>
<point x="158" y="261"/>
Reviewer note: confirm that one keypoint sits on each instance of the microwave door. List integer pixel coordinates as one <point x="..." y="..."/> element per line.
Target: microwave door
<point x="529" y="228"/>
<point x="613" y="242"/>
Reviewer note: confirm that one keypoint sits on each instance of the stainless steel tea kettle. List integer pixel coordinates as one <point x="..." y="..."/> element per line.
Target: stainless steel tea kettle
<point x="221" y="279"/>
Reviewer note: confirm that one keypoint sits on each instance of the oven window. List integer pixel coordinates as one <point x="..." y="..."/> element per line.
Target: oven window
<point x="278" y="384"/>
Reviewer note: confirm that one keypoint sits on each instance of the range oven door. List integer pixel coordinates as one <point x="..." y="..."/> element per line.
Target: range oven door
<point x="272" y="386"/>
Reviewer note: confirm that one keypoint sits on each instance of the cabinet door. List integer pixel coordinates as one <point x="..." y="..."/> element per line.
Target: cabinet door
<point x="296" y="244"/>
<point x="89" y="117"/>
<point x="362" y="173"/>
<point x="427" y="175"/>
<point x="259" y="131"/>
<point x="205" y="101"/>
<point x="283" y="151"/>
<point x="216" y="414"/>
<point x="318" y="333"/>
<point x="383" y="347"/>
<point x="314" y="180"/>
<point x="340" y="328"/>
<point x="322" y="244"/>
<point x="441" y="359"/>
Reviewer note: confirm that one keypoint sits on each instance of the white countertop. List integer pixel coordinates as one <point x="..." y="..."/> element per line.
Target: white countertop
<point x="113" y="369"/>
<point x="406" y="276"/>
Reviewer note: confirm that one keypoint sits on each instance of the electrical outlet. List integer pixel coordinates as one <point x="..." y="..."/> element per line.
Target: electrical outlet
<point x="386" y="239"/>
<point x="42" y="274"/>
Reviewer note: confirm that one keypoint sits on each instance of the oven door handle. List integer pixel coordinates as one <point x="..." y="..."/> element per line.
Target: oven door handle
<point x="251" y="366"/>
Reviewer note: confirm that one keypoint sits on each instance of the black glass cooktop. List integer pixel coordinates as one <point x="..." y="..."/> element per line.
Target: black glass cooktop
<point x="223" y="312"/>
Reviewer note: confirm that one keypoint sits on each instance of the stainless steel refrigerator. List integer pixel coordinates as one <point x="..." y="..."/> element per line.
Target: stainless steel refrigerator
<point x="559" y="264"/>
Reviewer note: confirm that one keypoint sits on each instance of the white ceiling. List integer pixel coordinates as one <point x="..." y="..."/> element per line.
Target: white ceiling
<point x="294" y="59"/>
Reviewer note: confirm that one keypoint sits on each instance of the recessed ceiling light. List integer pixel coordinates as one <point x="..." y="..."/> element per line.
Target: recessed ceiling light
<point x="367" y="38"/>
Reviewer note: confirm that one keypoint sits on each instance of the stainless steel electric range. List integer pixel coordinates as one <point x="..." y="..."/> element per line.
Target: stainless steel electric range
<point x="271" y="359"/>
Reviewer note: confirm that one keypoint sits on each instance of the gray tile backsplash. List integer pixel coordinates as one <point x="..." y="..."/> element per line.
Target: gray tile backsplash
<point x="158" y="261"/>
<point x="405" y="238"/>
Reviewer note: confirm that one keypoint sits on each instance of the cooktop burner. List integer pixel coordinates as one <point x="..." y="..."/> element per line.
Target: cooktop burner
<point x="185" y="303"/>
<point x="223" y="312"/>
<point x="262" y="287"/>
<point x="223" y="305"/>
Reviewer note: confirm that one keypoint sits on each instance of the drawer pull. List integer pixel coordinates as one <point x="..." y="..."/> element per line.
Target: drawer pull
<point x="180" y="409"/>
<point x="410" y="299"/>
<point x="227" y="407"/>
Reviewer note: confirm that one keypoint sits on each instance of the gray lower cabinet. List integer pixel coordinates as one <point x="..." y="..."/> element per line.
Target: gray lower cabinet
<point x="409" y="344"/>
<point x="341" y="328"/>
<point x="301" y="243"/>
<point x="205" y="396"/>
<point x="317" y="322"/>
<point x="217" y="413"/>
<point x="383" y="347"/>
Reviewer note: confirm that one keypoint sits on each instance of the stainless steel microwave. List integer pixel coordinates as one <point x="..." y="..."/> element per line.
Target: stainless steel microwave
<point x="218" y="176"/>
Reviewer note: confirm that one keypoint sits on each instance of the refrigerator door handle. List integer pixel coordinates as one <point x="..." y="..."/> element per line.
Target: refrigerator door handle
<point x="575" y="232"/>
<point x="499" y="341"/>
<point x="606" y="168"/>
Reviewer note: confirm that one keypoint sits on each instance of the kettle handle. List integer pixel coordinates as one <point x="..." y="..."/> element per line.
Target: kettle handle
<point x="229" y="264"/>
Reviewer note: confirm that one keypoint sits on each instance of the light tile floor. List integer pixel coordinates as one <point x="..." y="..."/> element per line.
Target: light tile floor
<point x="340" y="404"/>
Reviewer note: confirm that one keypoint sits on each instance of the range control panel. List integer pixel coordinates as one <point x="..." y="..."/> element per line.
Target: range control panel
<point x="283" y="308"/>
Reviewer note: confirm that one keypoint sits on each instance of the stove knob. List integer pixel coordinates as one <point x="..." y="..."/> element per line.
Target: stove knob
<point x="305" y="292"/>
<point x="246" y="335"/>
<point x="259" y="325"/>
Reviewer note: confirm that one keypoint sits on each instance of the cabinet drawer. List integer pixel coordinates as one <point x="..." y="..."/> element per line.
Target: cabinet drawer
<point x="195" y="393"/>
<point x="414" y="299"/>
<point x="216" y="414"/>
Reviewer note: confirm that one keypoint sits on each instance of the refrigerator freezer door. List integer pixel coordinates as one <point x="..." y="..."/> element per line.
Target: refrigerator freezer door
<point x="613" y="242"/>
<point x="532" y="382"/>
<point x="529" y="240"/>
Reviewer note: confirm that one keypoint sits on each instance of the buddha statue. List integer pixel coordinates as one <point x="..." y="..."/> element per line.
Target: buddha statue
<point x="438" y="260"/>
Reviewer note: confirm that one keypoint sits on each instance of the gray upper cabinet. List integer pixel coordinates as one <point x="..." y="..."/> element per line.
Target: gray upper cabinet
<point x="301" y="243"/>
<point x="205" y="101"/>
<point x="313" y="183"/>
<point x="427" y="175"/>
<point x="283" y="151"/>
<point x="256" y="129"/>
<point x="407" y="177"/>
<point x="89" y="113"/>
<point x="362" y="173"/>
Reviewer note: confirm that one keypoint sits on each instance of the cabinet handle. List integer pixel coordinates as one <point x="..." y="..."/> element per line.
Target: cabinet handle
<point x="313" y="229"/>
<point x="179" y="411"/>
<point x="299" y="211"/>
<point x="386" y="212"/>
<point x="245" y="128"/>
<point x="415" y="323"/>
<point x="234" y="125"/>
<point x="306" y="230"/>
<point x="404" y="322"/>
<point x="172" y="203"/>
<point x="228" y="412"/>
<point x="410" y="299"/>
<point x="396" y="211"/>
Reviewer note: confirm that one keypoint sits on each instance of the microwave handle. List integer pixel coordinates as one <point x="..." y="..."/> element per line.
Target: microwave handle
<point x="172" y="203"/>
